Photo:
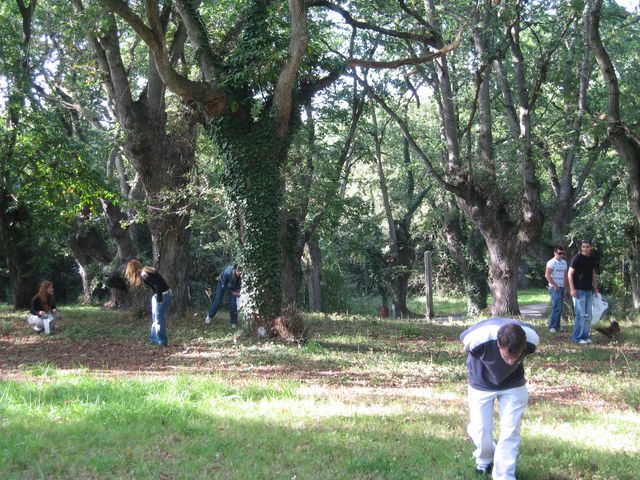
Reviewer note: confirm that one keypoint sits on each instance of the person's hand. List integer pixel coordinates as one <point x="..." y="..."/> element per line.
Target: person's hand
<point x="41" y="313"/>
<point x="574" y="293"/>
<point x="236" y="294"/>
<point x="596" y="291"/>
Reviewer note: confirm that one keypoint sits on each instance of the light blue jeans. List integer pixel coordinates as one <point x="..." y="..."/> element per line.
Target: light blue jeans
<point x="582" y="303"/>
<point x="557" y="296"/>
<point x="158" y="319"/>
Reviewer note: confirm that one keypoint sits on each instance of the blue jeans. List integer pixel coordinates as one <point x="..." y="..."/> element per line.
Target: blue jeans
<point x="217" y="301"/>
<point x="557" y="296"/>
<point x="582" y="305"/>
<point x="158" y="320"/>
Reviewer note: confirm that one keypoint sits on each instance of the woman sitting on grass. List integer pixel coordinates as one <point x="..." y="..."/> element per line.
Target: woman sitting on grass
<point x="160" y="300"/>
<point x="43" y="311"/>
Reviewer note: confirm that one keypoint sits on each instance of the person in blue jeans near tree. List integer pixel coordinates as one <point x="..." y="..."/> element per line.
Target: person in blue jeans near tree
<point x="583" y="283"/>
<point x="555" y="273"/>
<point x="229" y="280"/>
<point x="160" y="300"/>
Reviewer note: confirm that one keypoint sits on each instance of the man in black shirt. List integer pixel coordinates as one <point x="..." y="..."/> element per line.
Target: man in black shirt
<point x="582" y="285"/>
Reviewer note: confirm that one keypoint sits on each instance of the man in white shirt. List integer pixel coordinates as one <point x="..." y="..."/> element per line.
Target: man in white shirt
<point x="555" y="273"/>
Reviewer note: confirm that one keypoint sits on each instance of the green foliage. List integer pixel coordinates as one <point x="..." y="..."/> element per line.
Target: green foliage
<point x="260" y="51"/>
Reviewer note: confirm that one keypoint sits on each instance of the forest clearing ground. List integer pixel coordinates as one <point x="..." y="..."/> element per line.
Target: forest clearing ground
<point x="363" y="398"/>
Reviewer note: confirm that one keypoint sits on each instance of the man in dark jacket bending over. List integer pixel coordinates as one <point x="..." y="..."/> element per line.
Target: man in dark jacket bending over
<point x="496" y="348"/>
<point x="228" y="281"/>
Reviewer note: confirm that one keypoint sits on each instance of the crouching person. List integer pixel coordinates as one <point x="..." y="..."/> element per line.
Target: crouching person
<point x="496" y="348"/>
<point x="43" y="313"/>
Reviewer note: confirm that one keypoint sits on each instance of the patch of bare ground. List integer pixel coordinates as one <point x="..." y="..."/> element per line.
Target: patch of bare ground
<point x="136" y="358"/>
<point x="571" y="395"/>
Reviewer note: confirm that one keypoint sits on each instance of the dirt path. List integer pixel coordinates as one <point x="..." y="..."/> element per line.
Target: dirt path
<point x="528" y="312"/>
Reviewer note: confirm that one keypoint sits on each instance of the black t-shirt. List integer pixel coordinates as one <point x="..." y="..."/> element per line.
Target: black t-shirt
<point x="583" y="274"/>
<point x="156" y="282"/>
<point x="36" y="305"/>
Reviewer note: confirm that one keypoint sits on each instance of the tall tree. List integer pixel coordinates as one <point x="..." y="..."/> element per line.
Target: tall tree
<point x="313" y="185"/>
<point x="248" y="92"/>
<point x="478" y="170"/>
<point x="399" y="219"/>
<point x="622" y="136"/>
<point x="14" y="215"/>
<point x="160" y="148"/>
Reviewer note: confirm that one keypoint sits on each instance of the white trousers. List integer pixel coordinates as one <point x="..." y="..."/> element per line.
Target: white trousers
<point x="512" y="404"/>
<point x="42" y="323"/>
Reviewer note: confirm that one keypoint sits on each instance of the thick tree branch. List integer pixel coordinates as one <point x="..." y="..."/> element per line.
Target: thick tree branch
<point x="429" y="40"/>
<point x="211" y="97"/>
<point x="198" y="36"/>
<point x="298" y="41"/>
<point x="354" y="62"/>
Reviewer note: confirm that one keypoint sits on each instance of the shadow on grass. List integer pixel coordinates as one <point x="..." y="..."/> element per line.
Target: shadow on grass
<point x="201" y="430"/>
<point x="133" y="431"/>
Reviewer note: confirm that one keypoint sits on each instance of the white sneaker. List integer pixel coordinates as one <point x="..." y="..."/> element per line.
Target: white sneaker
<point x="207" y="320"/>
<point x="552" y="330"/>
<point x="588" y="340"/>
<point x="584" y="342"/>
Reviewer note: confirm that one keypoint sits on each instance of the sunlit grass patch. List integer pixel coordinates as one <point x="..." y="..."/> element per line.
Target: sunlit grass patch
<point x="41" y="369"/>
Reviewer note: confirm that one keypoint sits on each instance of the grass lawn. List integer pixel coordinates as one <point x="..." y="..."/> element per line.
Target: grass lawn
<point x="364" y="398"/>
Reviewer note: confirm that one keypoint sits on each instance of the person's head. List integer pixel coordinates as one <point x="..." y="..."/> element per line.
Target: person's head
<point x="45" y="294"/>
<point x="133" y="271"/>
<point x="558" y="251"/>
<point x="236" y="268"/>
<point x="512" y="341"/>
<point x="585" y="247"/>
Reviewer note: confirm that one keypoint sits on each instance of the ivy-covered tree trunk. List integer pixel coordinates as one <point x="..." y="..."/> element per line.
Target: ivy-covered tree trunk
<point x="476" y="286"/>
<point x="253" y="154"/>
<point x="246" y="100"/>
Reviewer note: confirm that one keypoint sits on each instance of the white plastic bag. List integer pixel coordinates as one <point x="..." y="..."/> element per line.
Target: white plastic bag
<point x="597" y="308"/>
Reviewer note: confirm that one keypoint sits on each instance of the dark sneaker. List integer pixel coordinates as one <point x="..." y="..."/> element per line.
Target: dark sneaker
<point x="484" y="469"/>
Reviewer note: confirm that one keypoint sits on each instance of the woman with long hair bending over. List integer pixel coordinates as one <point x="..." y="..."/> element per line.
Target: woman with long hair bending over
<point x="160" y="300"/>
<point x="43" y="311"/>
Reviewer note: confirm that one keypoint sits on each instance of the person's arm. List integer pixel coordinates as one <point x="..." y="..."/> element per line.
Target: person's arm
<point x="572" y="289"/>
<point x="548" y="271"/>
<point x="225" y="279"/>
<point x="594" y="282"/>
